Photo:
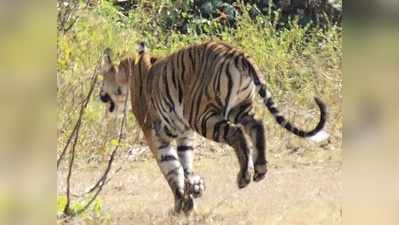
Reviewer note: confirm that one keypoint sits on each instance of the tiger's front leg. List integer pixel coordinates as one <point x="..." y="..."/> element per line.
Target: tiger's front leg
<point x="173" y="171"/>
<point x="194" y="184"/>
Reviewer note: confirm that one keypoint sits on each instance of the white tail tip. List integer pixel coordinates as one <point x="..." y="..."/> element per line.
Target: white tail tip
<point x="319" y="137"/>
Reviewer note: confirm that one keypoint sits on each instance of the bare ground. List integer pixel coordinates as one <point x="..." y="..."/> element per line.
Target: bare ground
<point x="303" y="187"/>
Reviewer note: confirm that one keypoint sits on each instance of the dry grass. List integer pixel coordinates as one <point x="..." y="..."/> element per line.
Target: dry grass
<point x="302" y="187"/>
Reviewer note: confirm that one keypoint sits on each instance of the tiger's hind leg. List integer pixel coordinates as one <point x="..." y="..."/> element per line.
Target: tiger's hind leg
<point x="220" y="130"/>
<point x="172" y="170"/>
<point x="254" y="128"/>
<point x="194" y="184"/>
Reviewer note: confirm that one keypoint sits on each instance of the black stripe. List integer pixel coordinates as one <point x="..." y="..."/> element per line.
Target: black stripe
<point x="160" y="108"/>
<point x="248" y="95"/>
<point x="246" y="87"/>
<point x="174" y="76"/>
<point x="140" y="75"/>
<point x="183" y="148"/>
<point x="216" y="130"/>
<point x="226" y="131"/>
<point x="198" y="105"/>
<point x="165" y="158"/>
<point x="226" y="58"/>
<point x="168" y="96"/>
<point x="218" y="102"/>
<point x="273" y="110"/>
<point x="190" y="56"/>
<point x="262" y="92"/>
<point x="280" y="119"/>
<point x="252" y="71"/>
<point x="163" y="146"/>
<point x="269" y="102"/>
<point x="229" y="87"/>
<point x="195" y="86"/>
<point x="260" y="141"/>
<point x="243" y="109"/>
<point x="174" y="171"/>
<point x="183" y="66"/>
<point x="205" y="121"/>
<point x="288" y="126"/>
<point x="245" y="64"/>
<point x="167" y="132"/>
<point x="177" y="61"/>
<point x="236" y="61"/>
<point x="180" y="89"/>
<point x="216" y="78"/>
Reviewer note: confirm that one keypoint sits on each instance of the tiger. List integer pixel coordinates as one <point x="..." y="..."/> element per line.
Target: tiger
<point x="209" y="89"/>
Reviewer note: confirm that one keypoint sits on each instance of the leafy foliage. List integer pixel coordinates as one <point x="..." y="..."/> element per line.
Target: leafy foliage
<point x="95" y="210"/>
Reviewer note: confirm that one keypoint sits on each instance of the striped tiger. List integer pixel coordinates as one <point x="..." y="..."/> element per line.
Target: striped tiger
<point x="207" y="88"/>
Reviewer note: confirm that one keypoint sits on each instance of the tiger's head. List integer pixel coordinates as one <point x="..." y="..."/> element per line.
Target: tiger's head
<point x="115" y="83"/>
<point x="116" y="78"/>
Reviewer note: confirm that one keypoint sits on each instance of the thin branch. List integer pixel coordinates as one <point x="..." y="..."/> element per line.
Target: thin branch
<point x="103" y="180"/>
<point x="75" y="134"/>
<point x="82" y="109"/>
<point x="67" y="209"/>
<point x="98" y="183"/>
<point x="66" y="146"/>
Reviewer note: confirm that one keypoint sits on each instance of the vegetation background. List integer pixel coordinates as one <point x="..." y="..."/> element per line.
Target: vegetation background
<point x="301" y="57"/>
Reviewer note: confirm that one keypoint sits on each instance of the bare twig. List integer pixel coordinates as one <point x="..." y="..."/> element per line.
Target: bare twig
<point x="75" y="136"/>
<point x="81" y="112"/>
<point x="66" y="146"/>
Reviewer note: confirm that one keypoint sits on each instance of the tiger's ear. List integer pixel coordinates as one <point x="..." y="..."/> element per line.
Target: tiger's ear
<point x="106" y="62"/>
<point x="141" y="48"/>
<point x="123" y="72"/>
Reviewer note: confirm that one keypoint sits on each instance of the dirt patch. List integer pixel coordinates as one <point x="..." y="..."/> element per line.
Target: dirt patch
<point x="296" y="191"/>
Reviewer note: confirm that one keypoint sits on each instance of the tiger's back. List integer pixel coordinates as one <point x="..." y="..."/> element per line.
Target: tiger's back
<point x="203" y="79"/>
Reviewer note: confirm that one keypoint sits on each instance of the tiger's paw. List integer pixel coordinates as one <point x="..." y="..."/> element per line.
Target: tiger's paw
<point x="188" y="205"/>
<point x="185" y="205"/>
<point x="244" y="177"/>
<point x="195" y="186"/>
<point x="260" y="172"/>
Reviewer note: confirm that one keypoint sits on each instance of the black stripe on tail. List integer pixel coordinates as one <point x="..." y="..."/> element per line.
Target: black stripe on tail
<point x="286" y="124"/>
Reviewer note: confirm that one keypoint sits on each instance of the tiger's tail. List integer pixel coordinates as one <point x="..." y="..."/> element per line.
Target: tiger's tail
<point x="316" y="134"/>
